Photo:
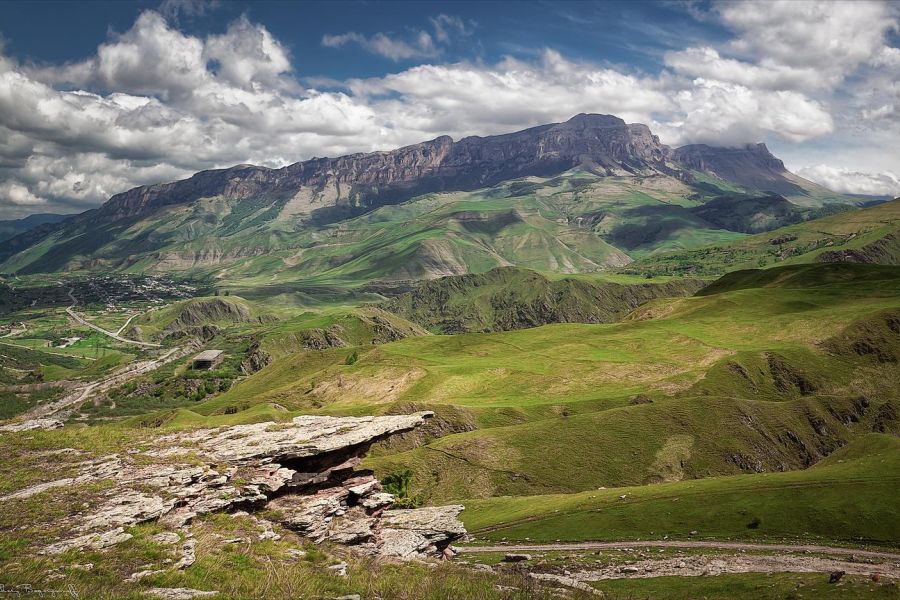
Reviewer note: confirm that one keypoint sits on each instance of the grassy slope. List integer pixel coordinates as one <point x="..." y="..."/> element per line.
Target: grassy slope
<point x="513" y="298"/>
<point x="846" y="497"/>
<point x="746" y="378"/>
<point x="801" y="243"/>
<point x="559" y="224"/>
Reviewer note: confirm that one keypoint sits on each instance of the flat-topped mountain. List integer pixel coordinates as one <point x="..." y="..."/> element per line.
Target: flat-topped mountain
<point x="751" y="166"/>
<point x="588" y="194"/>
<point x="362" y="180"/>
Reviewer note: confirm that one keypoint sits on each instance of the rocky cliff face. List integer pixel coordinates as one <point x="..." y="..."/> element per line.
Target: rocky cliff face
<point x="751" y="166"/>
<point x="360" y="180"/>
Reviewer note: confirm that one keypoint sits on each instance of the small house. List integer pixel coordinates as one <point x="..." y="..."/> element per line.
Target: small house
<point x="208" y="359"/>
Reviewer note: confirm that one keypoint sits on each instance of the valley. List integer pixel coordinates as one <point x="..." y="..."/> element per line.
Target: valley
<point x="569" y="361"/>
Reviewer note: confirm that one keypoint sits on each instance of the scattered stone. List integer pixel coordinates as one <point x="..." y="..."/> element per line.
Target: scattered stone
<point x="32" y="424"/>
<point x="693" y="533"/>
<point x="135" y="577"/>
<point x="166" y="538"/>
<point x="410" y="533"/>
<point x="630" y="570"/>
<point x="567" y="581"/>
<point x="94" y="541"/>
<point x="188" y="555"/>
<point x="268" y="532"/>
<point x="516" y="557"/>
<point x="349" y="597"/>
<point x="339" y="569"/>
<point x="641" y="399"/>
<point x="180" y="593"/>
<point x="296" y="553"/>
<point x="84" y="567"/>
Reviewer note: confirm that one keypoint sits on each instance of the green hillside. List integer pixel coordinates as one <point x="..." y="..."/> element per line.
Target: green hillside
<point x="869" y="235"/>
<point x="570" y="223"/>
<point x="847" y="496"/>
<point x="512" y="298"/>
<point x="769" y="376"/>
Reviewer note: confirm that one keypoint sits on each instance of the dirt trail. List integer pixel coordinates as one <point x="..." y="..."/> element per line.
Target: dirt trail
<point x="736" y="546"/>
<point x="71" y="312"/>
<point x="71" y="402"/>
<point x="702" y="565"/>
<point x="782" y="558"/>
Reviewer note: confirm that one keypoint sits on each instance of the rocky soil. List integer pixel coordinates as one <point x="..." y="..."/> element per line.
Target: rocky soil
<point x="302" y="473"/>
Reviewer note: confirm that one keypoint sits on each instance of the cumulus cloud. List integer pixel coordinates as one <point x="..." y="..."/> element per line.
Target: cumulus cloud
<point x="885" y="183"/>
<point x="707" y="63"/>
<point x="833" y="37"/>
<point x="18" y="194"/>
<point x="717" y="112"/>
<point x="156" y="104"/>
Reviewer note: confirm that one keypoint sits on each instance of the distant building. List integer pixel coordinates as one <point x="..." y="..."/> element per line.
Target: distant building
<point x="207" y="359"/>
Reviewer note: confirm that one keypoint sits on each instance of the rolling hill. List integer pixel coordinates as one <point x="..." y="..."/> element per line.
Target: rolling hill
<point x="509" y="298"/>
<point x="870" y="235"/>
<point x="766" y="370"/>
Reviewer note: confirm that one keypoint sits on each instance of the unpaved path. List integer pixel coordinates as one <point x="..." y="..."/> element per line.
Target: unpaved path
<point x="115" y="336"/>
<point x="72" y="401"/>
<point x="782" y="558"/>
<point x="122" y="328"/>
<point x="702" y="565"/>
<point x="735" y="546"/>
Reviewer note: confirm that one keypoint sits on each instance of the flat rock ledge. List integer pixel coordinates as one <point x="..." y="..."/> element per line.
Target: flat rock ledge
<point x="304" y="470"/>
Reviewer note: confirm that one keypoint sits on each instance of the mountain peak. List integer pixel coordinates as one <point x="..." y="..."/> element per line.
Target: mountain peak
<point x="593" y="120"/>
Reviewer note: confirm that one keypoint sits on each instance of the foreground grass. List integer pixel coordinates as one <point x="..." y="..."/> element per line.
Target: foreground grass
<point x="253" y="568"/>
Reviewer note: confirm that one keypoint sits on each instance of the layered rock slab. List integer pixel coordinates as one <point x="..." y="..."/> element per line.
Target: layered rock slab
<point x="304" y="469"/>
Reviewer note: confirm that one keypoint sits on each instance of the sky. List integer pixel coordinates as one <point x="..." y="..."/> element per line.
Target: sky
<point x="99" y="97"/>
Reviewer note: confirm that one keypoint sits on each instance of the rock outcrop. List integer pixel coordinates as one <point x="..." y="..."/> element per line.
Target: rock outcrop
<point x="304" y="470"/>
<point x="751" y="166"/>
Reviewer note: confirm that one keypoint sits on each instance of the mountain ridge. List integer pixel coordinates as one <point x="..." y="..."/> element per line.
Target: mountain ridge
<point x="570" y="185"/>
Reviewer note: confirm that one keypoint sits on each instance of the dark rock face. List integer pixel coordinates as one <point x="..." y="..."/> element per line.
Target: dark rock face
<point x="361" y="180"/>
<point x="885" y="251"/>
<point x="752" y="166"/>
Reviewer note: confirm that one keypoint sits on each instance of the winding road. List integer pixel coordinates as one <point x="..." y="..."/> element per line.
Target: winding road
<point x="115" y="336"/>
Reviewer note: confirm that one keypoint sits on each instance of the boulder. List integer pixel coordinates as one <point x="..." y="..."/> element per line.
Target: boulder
<point x="516" y="557"/>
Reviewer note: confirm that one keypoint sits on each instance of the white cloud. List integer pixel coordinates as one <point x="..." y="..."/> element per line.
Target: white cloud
<point x="715" y="112"/>
<point x="885" y="183"/>
<point x="446" y="26"/>
<point x="833" y="36"/>
<point x="417" y="44"/>
<point x="468" y="99"/>
<point x="247" y="54"/>
<point x="707" y="63"/>
<point x="420" y="46"/>
<point x="156" y="104"/>
<point x="18" y="194"/>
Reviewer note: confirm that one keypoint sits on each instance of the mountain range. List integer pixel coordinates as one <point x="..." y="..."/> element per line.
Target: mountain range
<point x="588" y="194"/>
